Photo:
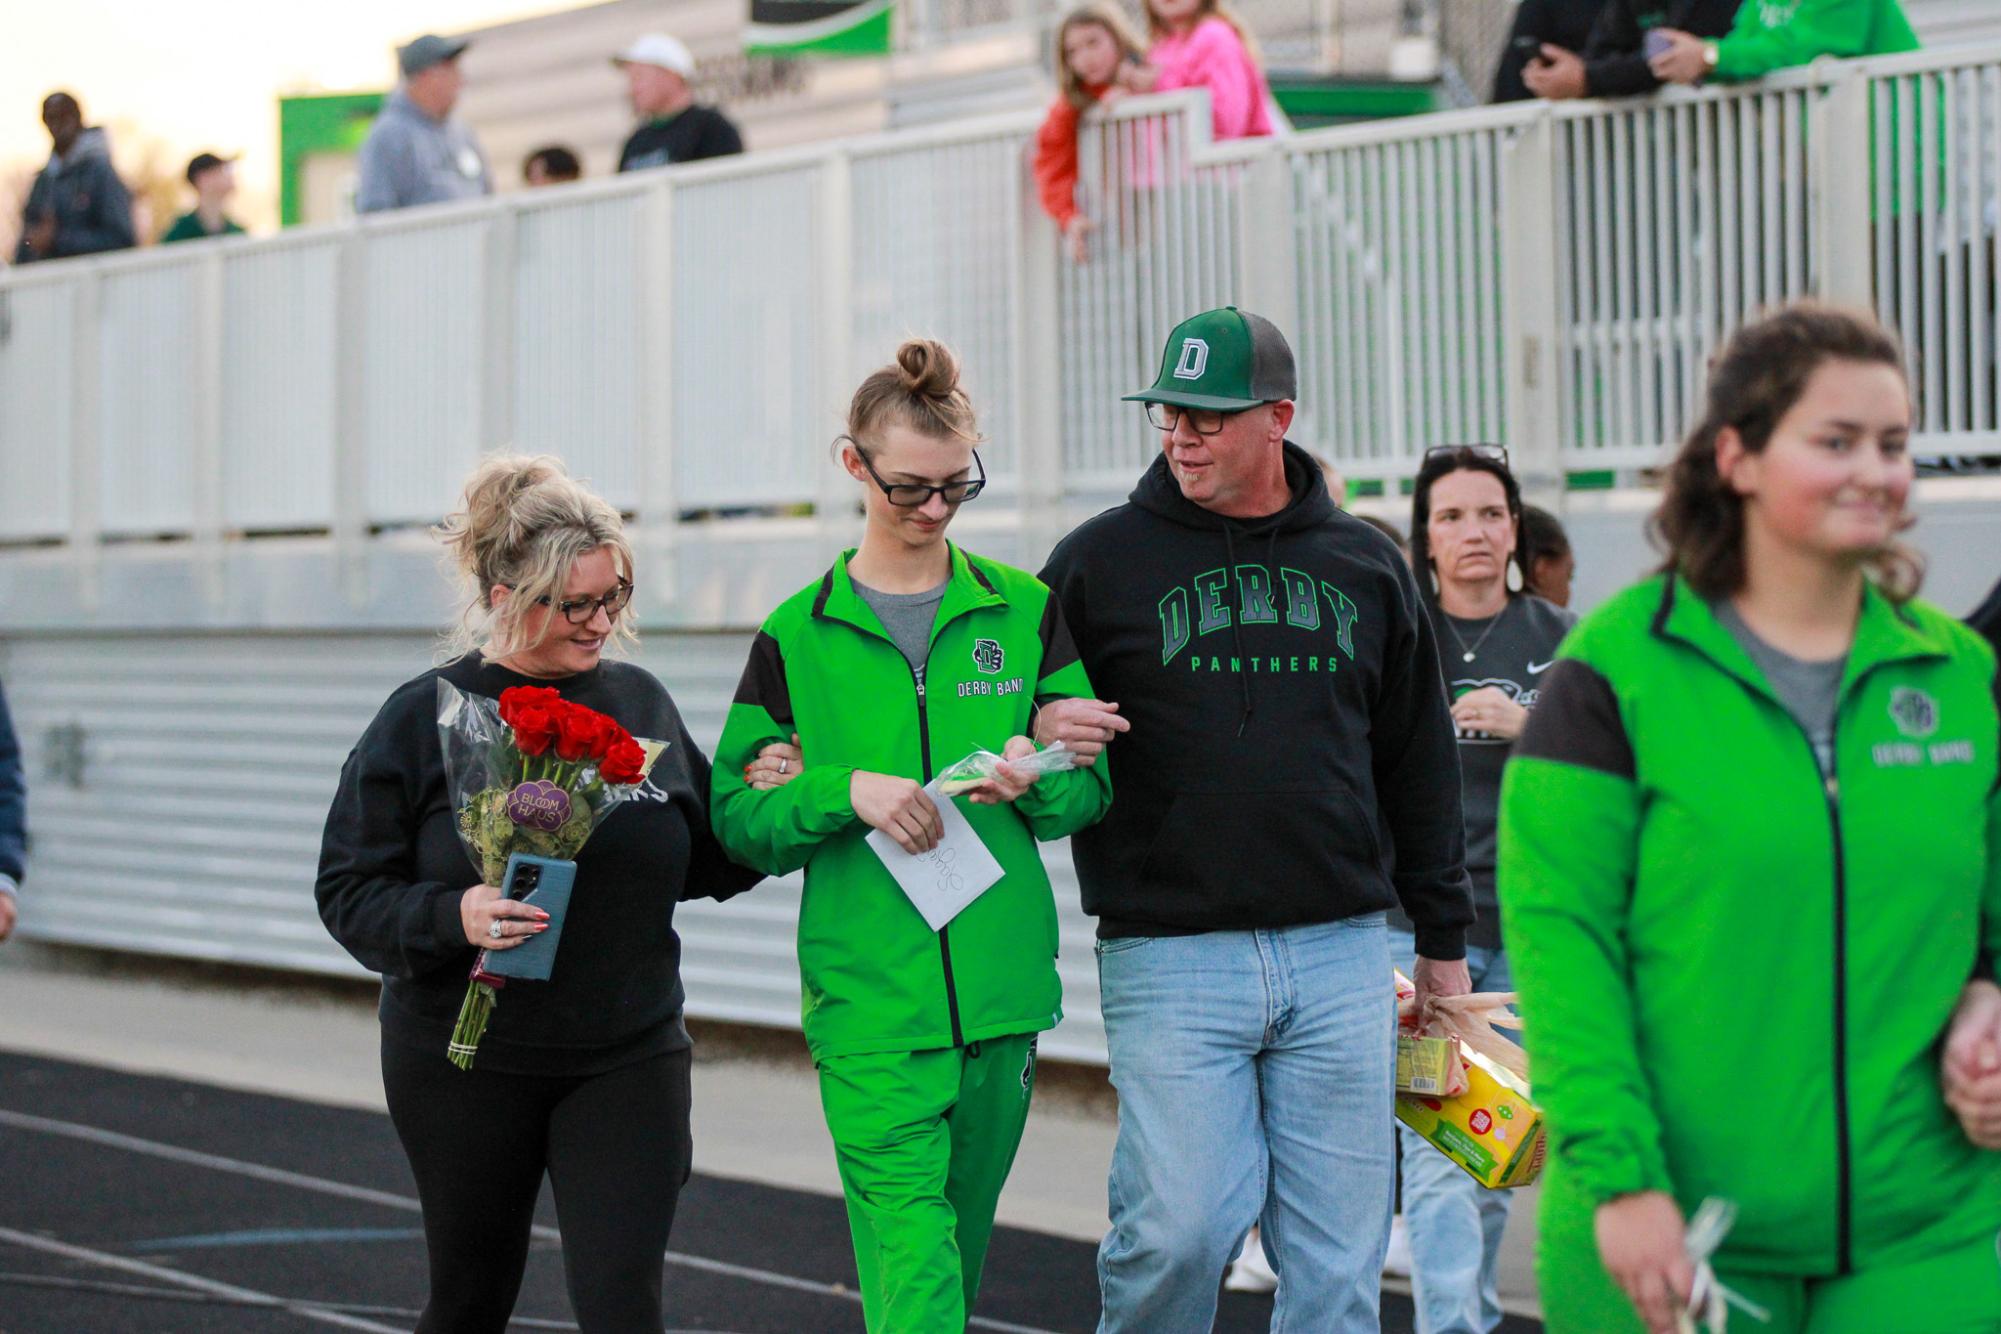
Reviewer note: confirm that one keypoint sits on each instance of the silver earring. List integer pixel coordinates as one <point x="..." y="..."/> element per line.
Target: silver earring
<point x="1514" y="579"/>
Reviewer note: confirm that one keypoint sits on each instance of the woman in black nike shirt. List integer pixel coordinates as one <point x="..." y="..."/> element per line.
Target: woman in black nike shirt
<point x="1494" y="642"/>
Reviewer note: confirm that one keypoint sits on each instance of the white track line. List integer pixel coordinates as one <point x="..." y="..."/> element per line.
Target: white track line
<point x="160" y="1273"/>
<point x="278" y="1176"/>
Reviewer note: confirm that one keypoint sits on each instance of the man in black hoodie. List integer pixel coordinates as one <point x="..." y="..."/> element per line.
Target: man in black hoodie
<point x="1288" y="729"/>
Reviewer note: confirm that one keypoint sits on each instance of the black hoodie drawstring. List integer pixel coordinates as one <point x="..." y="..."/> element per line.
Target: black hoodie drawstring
<point x="1237" y="618"/>
<point x="1237" y="628"/>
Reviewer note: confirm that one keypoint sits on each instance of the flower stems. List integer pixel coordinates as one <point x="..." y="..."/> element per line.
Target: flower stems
<point x="473" y="1015"/>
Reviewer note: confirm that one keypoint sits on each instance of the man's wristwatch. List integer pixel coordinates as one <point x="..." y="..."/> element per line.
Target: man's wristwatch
<point x="1710" y="53"/>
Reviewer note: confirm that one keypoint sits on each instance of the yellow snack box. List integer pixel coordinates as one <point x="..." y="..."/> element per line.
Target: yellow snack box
<point x="1492" y="1129"/>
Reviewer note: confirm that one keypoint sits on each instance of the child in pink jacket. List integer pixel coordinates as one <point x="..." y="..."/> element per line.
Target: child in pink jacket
<point x="1198" y="44"/>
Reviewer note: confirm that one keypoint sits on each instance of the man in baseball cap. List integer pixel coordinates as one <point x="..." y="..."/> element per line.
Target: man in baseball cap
<point x="415" y="152"/>
<point x="1277" y="688"/>
<point x="672" y="128"/>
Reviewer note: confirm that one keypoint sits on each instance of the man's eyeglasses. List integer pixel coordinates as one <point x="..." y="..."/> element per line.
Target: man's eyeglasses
<point x="1202" y="421"/>
<point x="1498" y="453"/>
<point x="581" y="611"/>
<point x="911" y="495"/>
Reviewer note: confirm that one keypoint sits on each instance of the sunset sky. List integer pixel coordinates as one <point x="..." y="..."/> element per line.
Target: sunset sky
<point x="207" y="74"/>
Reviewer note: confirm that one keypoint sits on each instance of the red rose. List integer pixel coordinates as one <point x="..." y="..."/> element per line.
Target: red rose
<point x="534" y="727"/>
<point x="515" y="698"/>
<point x="577" y="732"/>
<point x="626" y="762"/>
<point x="610" y="734"/>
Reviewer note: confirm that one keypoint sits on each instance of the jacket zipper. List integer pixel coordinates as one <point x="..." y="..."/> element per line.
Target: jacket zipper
<point x="1844" y="1222"/>
<point x="1844" y="1174"/>
<point x="944" y="932"/>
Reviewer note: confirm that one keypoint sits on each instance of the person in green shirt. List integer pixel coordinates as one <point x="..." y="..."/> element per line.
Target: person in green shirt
<point x="1750" y="874"/>
<point x="908" y="654"/>
<point x="1778" y="34"/>
<point x="214" y="181"/>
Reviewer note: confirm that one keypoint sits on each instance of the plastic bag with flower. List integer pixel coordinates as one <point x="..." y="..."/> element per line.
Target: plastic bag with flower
<point x="529" y="772"/>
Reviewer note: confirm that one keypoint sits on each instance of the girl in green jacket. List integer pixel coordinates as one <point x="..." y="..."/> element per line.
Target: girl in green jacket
<point x="902" y="659"/>
<point x="1750" y="865"/>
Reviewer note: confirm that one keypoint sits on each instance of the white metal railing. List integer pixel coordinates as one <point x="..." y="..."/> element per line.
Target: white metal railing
<point x="1552" y="277"/>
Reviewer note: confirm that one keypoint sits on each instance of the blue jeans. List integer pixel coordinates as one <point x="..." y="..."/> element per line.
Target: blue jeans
<point x="1256" y="1077"/>
<point x="1455" y="1223"/>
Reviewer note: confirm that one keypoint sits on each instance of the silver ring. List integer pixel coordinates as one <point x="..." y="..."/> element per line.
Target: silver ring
<point x="781" y="765"/>
<point x="495" y="930"/>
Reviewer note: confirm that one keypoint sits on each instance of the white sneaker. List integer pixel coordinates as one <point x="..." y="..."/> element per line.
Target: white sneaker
<point x="1252" y="1272"/>
<point x="1396" y="1259"/>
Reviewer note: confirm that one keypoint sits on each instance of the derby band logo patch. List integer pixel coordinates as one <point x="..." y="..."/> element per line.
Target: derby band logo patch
<point x="1914" y="712"/>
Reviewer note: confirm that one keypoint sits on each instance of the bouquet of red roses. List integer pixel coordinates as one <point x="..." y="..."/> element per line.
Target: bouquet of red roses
<point x="534" y="773"/>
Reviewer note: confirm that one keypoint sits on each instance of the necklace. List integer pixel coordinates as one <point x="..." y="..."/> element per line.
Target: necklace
<point x="1468" y="654"/>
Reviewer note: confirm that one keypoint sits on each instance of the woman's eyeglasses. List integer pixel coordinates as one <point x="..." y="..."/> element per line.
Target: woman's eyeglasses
<point x="911" y="495"/>
<point x="581" y="611"/>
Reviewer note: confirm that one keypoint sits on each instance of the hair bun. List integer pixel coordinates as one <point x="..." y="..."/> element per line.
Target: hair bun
<point x="925" y="366"/>
<point x="489" y="521"/>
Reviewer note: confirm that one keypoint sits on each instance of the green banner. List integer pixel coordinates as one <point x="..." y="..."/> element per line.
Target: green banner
<point x="331" y="124"/>
<point x="819" y="27"/>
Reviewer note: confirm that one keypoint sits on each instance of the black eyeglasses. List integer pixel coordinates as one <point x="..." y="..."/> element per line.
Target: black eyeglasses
<point x="910" y="495"/>
<point x="1498" y="453"/>
<point x="1202" y="421"/>
<point x="580" y="611"/>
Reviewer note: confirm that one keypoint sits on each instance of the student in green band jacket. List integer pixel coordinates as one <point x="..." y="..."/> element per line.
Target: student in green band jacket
<point x="1750" y="866"/>
<point x="907" y="655"/>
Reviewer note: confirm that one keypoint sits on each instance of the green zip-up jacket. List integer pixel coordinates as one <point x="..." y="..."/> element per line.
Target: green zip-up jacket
<point x="1735" y="975"/>
<point x="1778" y="34"/>
<point x="874" y="976"/>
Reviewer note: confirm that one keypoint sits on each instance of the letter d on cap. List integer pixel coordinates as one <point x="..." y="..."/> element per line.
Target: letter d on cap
<point x="1194" y="359"/>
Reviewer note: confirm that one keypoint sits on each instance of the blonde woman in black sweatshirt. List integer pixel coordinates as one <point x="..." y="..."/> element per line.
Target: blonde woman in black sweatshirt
<point x="584" y="1076"/>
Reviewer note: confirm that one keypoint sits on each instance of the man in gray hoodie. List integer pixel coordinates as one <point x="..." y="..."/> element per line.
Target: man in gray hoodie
<point x="415" y="153"/>
<point x="77" y="206"/>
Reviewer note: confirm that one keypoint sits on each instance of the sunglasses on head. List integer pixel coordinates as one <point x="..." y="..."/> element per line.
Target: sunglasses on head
<point x="1498" y="453"/>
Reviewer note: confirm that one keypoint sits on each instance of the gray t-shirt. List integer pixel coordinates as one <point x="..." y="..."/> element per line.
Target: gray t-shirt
<point x="908" y="617"/>
<point x="1510" y="653"/>
<point x="1811" y="691"/>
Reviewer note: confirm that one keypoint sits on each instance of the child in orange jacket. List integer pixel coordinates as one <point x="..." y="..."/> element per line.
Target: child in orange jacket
<point x="1092" y="42"/>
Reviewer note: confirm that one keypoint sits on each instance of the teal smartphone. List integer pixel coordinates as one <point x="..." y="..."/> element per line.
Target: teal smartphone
<point x="544" y="882"/>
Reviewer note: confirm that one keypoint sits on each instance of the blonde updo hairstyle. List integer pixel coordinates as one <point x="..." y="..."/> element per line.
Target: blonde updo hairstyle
<point x="524" y="524"/>
<point x="918" y="391"/>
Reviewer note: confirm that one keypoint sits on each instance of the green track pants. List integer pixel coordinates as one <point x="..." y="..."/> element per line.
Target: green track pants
<point x="925" y="1140"/>
<point x="1956" y="1291"/>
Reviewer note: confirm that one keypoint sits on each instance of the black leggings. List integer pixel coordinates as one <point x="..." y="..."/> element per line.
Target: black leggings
<point x="617" y="1151"/>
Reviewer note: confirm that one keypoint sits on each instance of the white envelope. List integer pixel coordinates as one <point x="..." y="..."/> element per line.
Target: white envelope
<point x="941" y="882"/>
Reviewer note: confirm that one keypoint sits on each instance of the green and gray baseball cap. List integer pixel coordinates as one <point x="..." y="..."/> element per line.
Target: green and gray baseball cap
<point x="1226" y="359"/>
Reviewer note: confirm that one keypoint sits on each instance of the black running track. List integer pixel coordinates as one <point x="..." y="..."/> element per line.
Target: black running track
<point x="130" y="1203"/>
